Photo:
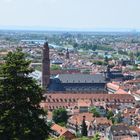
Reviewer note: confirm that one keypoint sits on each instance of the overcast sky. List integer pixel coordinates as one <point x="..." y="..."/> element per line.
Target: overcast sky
<point x="80" y="14"/>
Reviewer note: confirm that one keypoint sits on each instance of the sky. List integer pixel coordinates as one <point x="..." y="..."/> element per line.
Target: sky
<point x="70" y="14"/>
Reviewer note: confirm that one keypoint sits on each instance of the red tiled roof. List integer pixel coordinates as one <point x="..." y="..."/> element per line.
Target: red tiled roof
<point x="102" y="121"/>
<point x="74" y="97"/>
<point x="84" y="102"/>
<point x="70" y="100"/>
<point x="61" y="130"/>
<point x="137" y="129"/>
<point x="78" y="118"/>
<point x="130" y="112"/>
<point x="138" y="92"/>
<point x="112" y="86"/>
<point x="121" y="91"/>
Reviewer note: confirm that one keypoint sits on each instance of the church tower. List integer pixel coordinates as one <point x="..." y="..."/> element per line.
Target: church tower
<point x="45" y="66"/>
<point x="67" y="54"/>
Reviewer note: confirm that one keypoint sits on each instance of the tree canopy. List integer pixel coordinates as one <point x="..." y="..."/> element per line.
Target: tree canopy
<point x="60" y="116"/>
<point x="109" y="114"/>
<point x="95" y="112"/>
<point x="21" y="117"/>
<point x="55" y="67"/>
<point x="96" y="137"/>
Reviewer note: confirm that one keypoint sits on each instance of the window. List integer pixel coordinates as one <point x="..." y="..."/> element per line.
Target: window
<point x="65" y="100"/>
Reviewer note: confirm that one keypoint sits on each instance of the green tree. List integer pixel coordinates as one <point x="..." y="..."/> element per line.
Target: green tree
<point x="138" y="58"/>
<point x="96" y="137"/>
<point x="84" y="127"/>
<point x="21" y="117"/>
<point x="106" y="60"/>
<point x="60" y="116"/>
<point x="118" y="118"/>
<point x="95" y="112"/>
<point x="113" y="119"/>
<point x="55" y="67"/>
<point x="109" y="114"/>
<point x="84" y="138"/>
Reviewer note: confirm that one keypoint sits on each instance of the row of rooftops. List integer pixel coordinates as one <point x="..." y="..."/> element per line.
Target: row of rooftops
<point x="54" y="101"/>
<point x="78" y="118"/>
<point x="120" y="130"/>
<point x="101" y="97"/>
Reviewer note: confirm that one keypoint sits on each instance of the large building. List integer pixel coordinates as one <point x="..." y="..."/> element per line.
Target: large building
<point x="70" y="82"/>
<point x="78" y="82"/>
<point x="71" y="100"/>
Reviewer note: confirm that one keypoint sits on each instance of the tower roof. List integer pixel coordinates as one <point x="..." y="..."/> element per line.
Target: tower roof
<point x="46" y="45"/>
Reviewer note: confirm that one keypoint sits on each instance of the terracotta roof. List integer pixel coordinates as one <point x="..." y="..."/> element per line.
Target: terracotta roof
<point x="138" y="92"/>
<point x="121" y="91"/>
<point x="129" y="112"/>
<point x="59" y="129"/>
<point x="112" y="86"/>
<point x="70" y="100"/>
<point x="99" y="97"/>
<point x="84" y="102"/>
<point x="78" y="118"/>
<point x="137" y="129"/>
<point x="102" y="121"/>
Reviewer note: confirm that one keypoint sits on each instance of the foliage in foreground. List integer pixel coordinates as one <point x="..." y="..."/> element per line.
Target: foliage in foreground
<point x="21" y="117"/>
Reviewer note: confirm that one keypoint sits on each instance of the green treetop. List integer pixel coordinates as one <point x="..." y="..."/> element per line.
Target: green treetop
<point x="95" y="112"/>
<point x="21" y="117"/>
<point x="60" y="116"/>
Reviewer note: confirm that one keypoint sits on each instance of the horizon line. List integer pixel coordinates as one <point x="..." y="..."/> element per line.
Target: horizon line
<point x="38" y="28"/>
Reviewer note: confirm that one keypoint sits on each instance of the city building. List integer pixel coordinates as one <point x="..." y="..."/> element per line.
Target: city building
<point x="70" y="82"/>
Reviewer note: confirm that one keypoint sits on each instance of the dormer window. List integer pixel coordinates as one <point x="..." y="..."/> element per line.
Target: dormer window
<point x="65" y="100"/>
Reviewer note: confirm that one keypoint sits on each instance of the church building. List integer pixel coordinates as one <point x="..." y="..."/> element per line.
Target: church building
<point x="70" y="82"/>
